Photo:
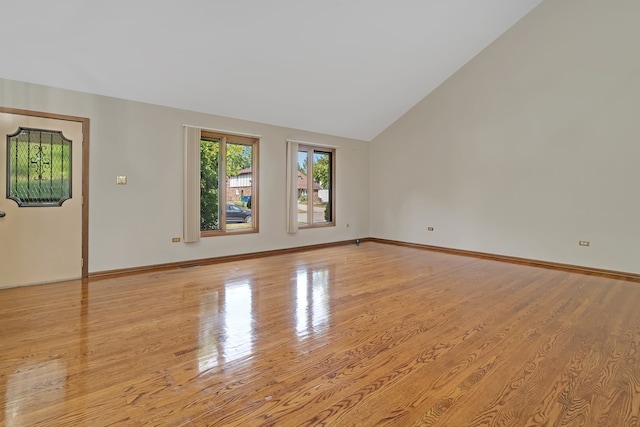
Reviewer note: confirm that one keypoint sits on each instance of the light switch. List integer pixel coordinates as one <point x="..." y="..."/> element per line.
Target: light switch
<point x="121" y="180"/>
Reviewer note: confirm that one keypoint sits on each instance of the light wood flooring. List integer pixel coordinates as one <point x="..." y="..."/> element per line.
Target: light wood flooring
<point x="347" y="336"/>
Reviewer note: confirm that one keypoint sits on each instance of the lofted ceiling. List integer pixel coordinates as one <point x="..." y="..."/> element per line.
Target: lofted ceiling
<point x="342" y="67"/>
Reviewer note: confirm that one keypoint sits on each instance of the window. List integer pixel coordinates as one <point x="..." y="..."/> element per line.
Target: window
<point x="315" y="186"/>
<point x="38" y="167"/>
<point x="228" y="183"/>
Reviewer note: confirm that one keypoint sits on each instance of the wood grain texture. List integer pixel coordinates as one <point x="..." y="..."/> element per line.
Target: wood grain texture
<point x="365" y="335"/>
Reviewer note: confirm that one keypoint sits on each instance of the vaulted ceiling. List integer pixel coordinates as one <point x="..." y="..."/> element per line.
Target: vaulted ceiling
<point x="341" y="67"/>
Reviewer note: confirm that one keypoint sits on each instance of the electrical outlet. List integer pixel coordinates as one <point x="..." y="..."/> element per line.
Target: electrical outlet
<point x="429" y="228"/>
<point x="347" y="225"/>
<point x="121" y="180"/>
<point x="175" y="239"/>
<point x="584" y="243"/>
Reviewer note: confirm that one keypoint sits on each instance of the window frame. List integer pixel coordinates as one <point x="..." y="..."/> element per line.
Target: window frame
<point x="254" y="143"/>
<point x="311" y="149"/>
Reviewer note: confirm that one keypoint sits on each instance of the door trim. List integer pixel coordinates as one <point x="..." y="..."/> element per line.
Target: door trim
<point x="85" y="172"/>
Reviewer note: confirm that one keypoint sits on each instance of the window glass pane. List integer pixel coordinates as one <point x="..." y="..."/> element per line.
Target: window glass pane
<point x="209" y="190"/>
<point x="321" y="187"/>
<point x="303" y="185"/>
<point x="38" y="167"/>
<point x="239" y="186"/>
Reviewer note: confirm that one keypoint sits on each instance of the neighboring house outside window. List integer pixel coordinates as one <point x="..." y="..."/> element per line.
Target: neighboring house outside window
<point x="303" y="188"/>
<point x="239" y="187"/>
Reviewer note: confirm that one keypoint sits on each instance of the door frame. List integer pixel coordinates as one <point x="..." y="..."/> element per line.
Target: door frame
<point x="85" y="172"/>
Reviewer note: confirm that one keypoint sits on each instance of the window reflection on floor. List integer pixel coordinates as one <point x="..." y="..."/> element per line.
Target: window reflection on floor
<point x="33" y="386"/>
<point x="312" y="302"/>
<point x="209" y="331"/>
<point x="226" y="325"/>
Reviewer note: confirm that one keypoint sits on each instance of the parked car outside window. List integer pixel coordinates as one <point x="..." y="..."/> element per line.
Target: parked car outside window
<point x="236" y="214"/>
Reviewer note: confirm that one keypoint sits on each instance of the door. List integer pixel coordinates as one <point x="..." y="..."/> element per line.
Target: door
<point x="40" y="200"/>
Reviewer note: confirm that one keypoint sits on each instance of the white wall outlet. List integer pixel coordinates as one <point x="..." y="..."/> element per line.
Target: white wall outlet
<point x="121" y="180"/>
<point x="584" y="243"/>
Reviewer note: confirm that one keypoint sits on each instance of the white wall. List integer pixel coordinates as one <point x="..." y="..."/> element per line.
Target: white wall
<point x="133" y="225"/>
<point x="529" y="148"/>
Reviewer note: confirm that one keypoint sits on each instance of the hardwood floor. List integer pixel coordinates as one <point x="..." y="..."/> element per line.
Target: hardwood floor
<point x="368" y="335"/>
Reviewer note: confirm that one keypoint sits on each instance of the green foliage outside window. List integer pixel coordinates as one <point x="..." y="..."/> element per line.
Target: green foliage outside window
<point x="209" y="166"/>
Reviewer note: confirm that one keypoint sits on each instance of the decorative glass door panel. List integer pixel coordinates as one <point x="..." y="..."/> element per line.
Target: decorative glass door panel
<point x="38" y="167"/>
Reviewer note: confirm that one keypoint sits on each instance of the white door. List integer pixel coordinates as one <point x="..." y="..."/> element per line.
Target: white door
<point x="40" y="213"/>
